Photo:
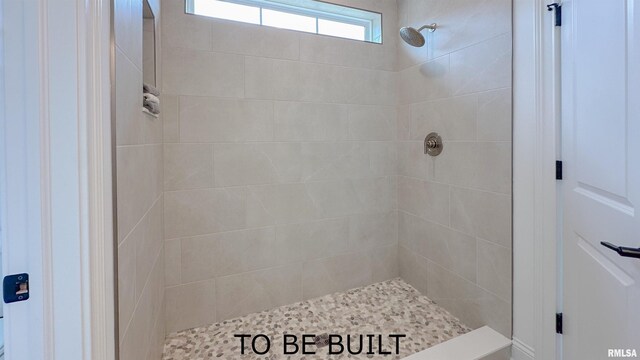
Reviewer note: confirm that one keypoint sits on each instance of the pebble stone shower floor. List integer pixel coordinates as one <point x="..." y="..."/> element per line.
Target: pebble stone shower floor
<point x="390" y="307"/>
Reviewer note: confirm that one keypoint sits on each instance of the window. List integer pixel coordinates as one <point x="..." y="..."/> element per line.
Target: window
<point x="310" y="16"/>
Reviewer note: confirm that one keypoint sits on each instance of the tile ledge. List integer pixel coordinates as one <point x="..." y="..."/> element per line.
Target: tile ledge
<point x="471" y="346"/>
<point x="144" y="110"/>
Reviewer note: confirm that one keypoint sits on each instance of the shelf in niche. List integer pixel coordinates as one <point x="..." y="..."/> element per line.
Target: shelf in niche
<point x="144" y="110"/>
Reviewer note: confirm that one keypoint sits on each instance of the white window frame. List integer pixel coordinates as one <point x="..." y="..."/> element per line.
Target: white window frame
<point x="368" y="24"/>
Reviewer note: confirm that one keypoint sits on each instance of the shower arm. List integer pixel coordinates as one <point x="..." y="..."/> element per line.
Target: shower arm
<point x="431" y="27"/>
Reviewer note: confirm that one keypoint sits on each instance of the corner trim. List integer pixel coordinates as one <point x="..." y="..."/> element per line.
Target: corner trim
<point x="521" y="351"/>
<point x="96" y="18"/>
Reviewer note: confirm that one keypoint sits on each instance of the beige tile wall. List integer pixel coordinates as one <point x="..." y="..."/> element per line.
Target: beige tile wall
<point x="293" y="163"/>
<point x="140" y="196"/>
<point x="280" y="164"/>
<point x="454" y="219"/>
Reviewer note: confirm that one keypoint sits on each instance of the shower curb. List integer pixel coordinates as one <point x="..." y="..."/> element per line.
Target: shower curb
<point x="474" y="345"/>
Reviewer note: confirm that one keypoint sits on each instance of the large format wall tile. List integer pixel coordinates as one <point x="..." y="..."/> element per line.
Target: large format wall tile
<point x="188" y="166"/>
<point x="149" y="245"/>
<point x="494" y="115"/>
<point x="484" y="66"/>
<point x="319" y="239"/>
<point x="128" y="29"/>
<point x="286" y="178"/>
<point x="338" y="273"/>
<point x="169" y="110"/>
<point x="191" y="72"/>
<point x="191" y="305"/>
<point x="182" y="30"/>
<point x="139" y="181"/>
<point x="288" y="187"/>
<point x="412" y="232"/>
<point x="126" y="281"/>
<point x="412" y="161"/>
<point x="473" y="305"/>
<point x="372" y="123"/>
<point x="259" y="163"/>
<point x="453" y="118"/>
<point x="286" y="204"/>
<point x="478" y="165"/>
<point x="450" y="249"/>
<point x="128" y="101"/>
<point x="139" y="333"/>
<point x="461" y="24"/>
<point x="370" y="231"/>
<point x="494" y="269"/>
<point x="413" y="268"/>
<point x="139" y="164"/>
<point x="335" y="84"/>
<point x="198" y="212"/>
<point x="273" y="79"/>
<point x="427" y="81"/>
<point x="454" y="222"/>
<point x="482" y="214"/>
<point x="403" y="122"/>
<point x="248" y="39"/>
<point x="197" y="255"/>
<point x="295" y="121"/>
<point x="384" y="263"/>
<point x="172" y="262"/>
<point x="255" y="249"/>
<point x="424" y="199"/>
<point x="205" y="119"/>
<point x="255" y="291"/>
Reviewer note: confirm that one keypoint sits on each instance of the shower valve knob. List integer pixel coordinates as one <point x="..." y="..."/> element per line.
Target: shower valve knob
<point x="433" y="144"/>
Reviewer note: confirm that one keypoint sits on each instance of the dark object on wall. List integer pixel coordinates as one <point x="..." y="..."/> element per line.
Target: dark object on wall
<point x="558" y="9"/>
<point x="16" y="288"/>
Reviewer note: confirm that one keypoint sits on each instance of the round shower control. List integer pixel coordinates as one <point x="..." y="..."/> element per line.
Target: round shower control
<point x="433" y="144"/>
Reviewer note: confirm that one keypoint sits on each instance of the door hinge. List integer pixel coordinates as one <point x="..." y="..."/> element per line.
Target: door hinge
<point x="558" y="12"/>
<point x="558" y="170"/>
<point x="559" y="323"/>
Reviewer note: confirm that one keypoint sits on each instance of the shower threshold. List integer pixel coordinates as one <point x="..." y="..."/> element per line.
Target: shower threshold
<point x="389" y="319"/>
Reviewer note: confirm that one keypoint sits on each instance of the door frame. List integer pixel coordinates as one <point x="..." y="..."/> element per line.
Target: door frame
<point x="537" y="257"/>
<point x="66" y="110"/>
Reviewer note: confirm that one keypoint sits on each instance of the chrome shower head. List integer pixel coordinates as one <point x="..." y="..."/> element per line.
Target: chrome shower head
<point x="413" y="37"/>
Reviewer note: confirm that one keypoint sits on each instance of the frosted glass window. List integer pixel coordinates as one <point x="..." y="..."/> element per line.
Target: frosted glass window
<point x="311" y="16"/>
<point x="289" y="21"/>
<point x="227" y="10"/>
<point x="340" y="29"/>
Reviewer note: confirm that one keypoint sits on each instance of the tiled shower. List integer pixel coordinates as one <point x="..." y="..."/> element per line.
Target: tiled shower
<point x="287" y="166"/>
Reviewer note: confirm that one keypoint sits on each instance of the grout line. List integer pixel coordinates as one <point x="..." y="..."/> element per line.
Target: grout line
<point x="298" y="60"/>
<point x="315" y="142"/>
<point x="129" y="146"/>
<point x="460" y="49"/>
<point x="146" y="285"/>
<point x="177" y="114"/>
<point x="454" y="186"/>
<point x="314" y="221"/>
<point x="301" y="262"/>
<point x="388" y="177"/>
<point x="124" y="238"/>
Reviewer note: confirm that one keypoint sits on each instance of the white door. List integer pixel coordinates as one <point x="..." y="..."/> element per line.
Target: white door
<point x="601" y="190"/>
